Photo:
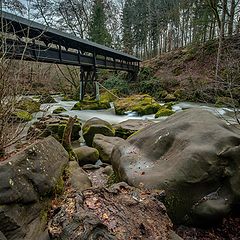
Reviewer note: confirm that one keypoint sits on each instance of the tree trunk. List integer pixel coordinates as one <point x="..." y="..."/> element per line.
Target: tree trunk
<point x="231" y="18"/>
<point x="221" y="37"/>
<point x="66" y="140"/>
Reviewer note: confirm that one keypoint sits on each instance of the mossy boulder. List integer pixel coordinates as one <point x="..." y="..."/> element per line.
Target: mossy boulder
<point x="22" y="116"/>
<point x="164" y="112"/>
<point x="142" y="104"/>
<point x="86" y="155"/>
<point x="28" y="104"/>
<point x="47" y="98"/>
<point x="54" y="125"/>
<point x="91" y="105"/>
<point x="59" y="110"/>
<point x="94" y="126"/>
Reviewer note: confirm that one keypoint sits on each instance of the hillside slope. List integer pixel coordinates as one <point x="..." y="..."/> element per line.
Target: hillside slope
<point x="189" y="73"/>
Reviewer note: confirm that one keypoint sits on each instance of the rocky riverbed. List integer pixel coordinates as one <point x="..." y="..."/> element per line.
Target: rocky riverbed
<point x="130" y="177"/>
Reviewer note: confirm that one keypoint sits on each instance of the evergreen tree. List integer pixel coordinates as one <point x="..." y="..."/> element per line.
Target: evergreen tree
<point x="127" y="24"/>
<point x="97" y="30"/>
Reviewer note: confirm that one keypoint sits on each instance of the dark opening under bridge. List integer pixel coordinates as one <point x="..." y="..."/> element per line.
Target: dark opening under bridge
<point x="32" y="41"/>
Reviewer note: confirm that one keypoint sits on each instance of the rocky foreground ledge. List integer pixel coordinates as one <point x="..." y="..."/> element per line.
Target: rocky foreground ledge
<point x="28" y="181"/>
<point x="119" y="212"/>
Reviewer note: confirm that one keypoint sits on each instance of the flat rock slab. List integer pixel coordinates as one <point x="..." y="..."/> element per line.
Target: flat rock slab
<point x="120" y="212"/>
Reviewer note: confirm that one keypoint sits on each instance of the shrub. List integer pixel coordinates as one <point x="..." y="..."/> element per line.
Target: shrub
<point x="117" y="83"/>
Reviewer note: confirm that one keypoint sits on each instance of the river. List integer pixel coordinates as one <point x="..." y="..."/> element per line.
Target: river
<point x="109" y="114"/>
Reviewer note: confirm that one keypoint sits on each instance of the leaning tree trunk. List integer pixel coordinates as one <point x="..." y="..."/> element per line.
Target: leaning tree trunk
<point x="66" y="140"/>
<point x="221" y="37"/>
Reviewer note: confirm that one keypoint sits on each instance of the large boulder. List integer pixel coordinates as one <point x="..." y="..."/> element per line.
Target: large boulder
<point x="86" y="155"/>
<point x="94" y="126"/>
<point x="193" y="156"/>
<point x="28" y="180"/>
<point x="104" y="145"/>
<point x="126" y="128"/>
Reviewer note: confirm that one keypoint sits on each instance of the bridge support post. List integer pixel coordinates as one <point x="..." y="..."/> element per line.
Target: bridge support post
<point x="88" y="76"/>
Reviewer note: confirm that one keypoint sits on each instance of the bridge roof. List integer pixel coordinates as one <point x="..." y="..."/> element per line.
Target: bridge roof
<point x="23" y="27"/>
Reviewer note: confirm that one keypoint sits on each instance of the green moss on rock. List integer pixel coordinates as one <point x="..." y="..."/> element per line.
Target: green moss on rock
<point x="29" y="105"/>
<point x="108" y="97"/>
<point x="22" y="116"/>
<point x="164" y="112"/>
<point x="94" y="126"/>
<point x="142" y="104"/>
<point x="59" y="110"/>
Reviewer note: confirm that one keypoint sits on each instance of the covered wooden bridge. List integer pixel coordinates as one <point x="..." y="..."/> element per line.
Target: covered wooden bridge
<point x="32" y="41"/>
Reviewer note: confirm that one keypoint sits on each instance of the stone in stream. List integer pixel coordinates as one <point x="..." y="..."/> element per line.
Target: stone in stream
<point x="78" y="177"/>
<point x="94" y="126"/>
<point x="29" y="179"/>
<point x="86" y="155"/>
<point x="120" y="212"/>
<point x="104" y="145"/>
<point x="142" y="104"/>
<point x="127" y="128"/>
<point x="194" y="156"/>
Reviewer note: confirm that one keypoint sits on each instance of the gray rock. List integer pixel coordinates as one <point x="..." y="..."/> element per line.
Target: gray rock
<point x="128" y="127"/>
<point x="78" y="177"/>
<point x="107" y="170"/>
<point x="94" y="126"/>
<point x="27" y="181"/>
<point x="192" y="152"/>
<point x="104" y="145"/>
<point x="90" y="167"/>
<point x="86" y="155"/>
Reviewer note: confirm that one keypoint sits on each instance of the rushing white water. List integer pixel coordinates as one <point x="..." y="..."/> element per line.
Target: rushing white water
<point x="109" y="114"/>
